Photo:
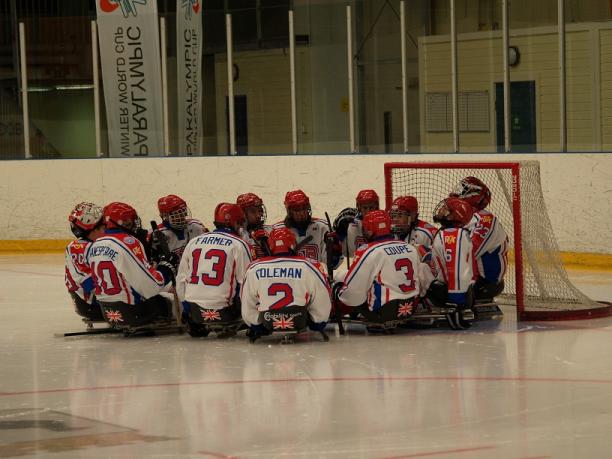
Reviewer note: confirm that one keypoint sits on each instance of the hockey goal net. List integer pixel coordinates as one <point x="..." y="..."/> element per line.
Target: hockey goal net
<point x="536" y="281"/>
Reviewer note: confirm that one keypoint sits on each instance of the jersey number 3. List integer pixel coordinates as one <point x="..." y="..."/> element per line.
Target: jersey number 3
<point x="405" y="265"/>
<point x="215" y="278"/>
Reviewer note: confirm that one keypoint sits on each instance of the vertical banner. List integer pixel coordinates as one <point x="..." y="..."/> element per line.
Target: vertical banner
<point x="189" y="76"/>
<point x="128" y="33"/>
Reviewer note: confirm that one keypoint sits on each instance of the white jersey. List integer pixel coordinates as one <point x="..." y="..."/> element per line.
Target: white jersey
<point x="314" y="249"/>
<point x="246" y="236"/>
<point x="275" y="282"/>
<point x="423" y="234"/>
<point x="178" y="239"/>
<point x="354" y="237"/>
<point x="453" y="262"/>
<point x="490" y="245"/>
<point x="212" y="269"/>
<point x="381" y="272"/>
<point x="77" y="273"/>
<point x="121" y="270"/>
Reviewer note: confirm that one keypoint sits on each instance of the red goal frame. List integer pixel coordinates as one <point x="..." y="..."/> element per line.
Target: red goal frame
<point x="522" y="315"/>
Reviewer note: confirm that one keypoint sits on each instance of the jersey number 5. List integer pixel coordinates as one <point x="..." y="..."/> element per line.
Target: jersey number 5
<point x="218" y="267"/>
<point x="405" y="265"/>
<point x="284" y="289"/>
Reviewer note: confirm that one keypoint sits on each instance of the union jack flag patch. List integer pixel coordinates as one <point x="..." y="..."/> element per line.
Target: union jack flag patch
<point x="210" y="314"/>
<point x="114" y="316"/>
<point x="282" y="323"/>
<point x="404" y="310"/>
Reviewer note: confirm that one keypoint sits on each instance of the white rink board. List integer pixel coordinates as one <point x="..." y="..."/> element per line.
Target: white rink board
<point x="36" y="196"/>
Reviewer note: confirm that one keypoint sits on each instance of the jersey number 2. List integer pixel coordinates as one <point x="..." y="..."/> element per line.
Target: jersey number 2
<point x="405" y="265"/>
<point x="218" y="267"/>
<point x="286" y="290"/>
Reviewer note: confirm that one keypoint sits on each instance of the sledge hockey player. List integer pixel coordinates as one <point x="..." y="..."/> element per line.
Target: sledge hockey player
<point x="284" y="292"/>
<point x="406" y="223"/>
<point x="177" y="226"/>
<point x="453" y="263"/>
<point x="128" y="287"/>
<point x="382" y="283"/>
<point x="254" y="231"/>
<point x="211" y="273"/>
<point x="310" y="233"/>
<point x="489" y="239"/>
<point x="365" y="202"/>
<point x="86" y="224"/>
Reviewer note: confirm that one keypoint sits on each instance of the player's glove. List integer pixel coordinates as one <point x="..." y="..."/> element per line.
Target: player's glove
<point x="336" y="290"/>
<point x="332" y="241"/>
<point x="257" y="331"/>
<point x="167" y="270"/>
<point x="259" y="234"/>
<point x="317" y="326"/>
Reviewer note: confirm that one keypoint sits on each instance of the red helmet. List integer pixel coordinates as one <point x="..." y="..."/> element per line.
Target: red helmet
<point x="405" y="204"/>
<point x="249" y="200"/>
<point x="174" y="210"/>
<point x="296" y="198"/>
<point x="453" y="213"/>
<point x="282" y="240"/>
<point x="122" y="216"/>
<point x="85" y="216"/>
<point x="474" y="191"/>
<point x="367" y="197"/>
<point x="377" y="223"/>
<point x="228" y="215"/>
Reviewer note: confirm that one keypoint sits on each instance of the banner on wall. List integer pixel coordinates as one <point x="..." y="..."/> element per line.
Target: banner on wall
<point x="189" y="76"/>
<point x="128" y="33"/>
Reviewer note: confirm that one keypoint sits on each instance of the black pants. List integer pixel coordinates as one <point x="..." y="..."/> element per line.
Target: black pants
<point x="200" y="315"/>
<point x="91" y="312"/>
<point x="487" y="290"/>
<point x="120" y="314"/>
<point x="388" y="312"/>
<point x="438" y="295"/>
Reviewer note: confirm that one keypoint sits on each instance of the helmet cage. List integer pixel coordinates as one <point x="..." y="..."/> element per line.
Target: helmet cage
<point x="85" y="216"/>
<point x="177" y="219"/>
<point x="402" y="227"/>
<point x="474" y="191"/>
<point x="262" y="218"/>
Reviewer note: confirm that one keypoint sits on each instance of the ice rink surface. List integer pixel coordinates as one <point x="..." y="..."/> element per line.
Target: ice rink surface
<point x="499" y="390"/>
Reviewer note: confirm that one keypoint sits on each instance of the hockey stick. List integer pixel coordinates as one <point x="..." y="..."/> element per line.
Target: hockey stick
<point x="94" y="331"/>
<point x="305" y="241"/>
<point x="330" y="275"/>
<point x="165" y="251"/>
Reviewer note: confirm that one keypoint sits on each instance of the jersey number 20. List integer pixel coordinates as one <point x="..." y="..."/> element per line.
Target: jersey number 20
<point x="215" y="278"/>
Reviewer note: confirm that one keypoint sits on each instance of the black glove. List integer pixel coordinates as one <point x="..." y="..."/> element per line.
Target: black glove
<point x="317" y="326"/>
<point x="167" y="270"/>
<point x="257" y="331"/>
<point x="336" y="290"/>
<point x="171" y="258"/>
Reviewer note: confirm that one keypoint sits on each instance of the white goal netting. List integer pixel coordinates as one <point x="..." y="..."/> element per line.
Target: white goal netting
<point x="546" y="286"/>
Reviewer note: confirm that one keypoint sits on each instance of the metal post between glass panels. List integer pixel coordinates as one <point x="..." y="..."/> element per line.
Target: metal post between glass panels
<point x="96" y="87"/>
<point x="455" y="96"/>
<point x="349" y="52"/>
<point x="24" y="91"/>
<point x="164" y="74"/>
<point x="506" y="47"/>
<point x="292" y="76"/>
<point x="562" y="90"/>
<point x="404" y="78"/>
<point x="230" y="83"/>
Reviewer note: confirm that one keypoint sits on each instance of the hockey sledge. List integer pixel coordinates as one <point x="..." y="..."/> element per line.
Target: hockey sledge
<point x="286" y="323"/>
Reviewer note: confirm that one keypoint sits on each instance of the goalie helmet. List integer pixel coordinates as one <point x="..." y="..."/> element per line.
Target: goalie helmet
<point x="253" y="208"/>
<point x="367" y="201"/>
<point x="404" y="213"/>
<point x="174" y="211"/>
<point x="84" y="218"/>
<point x="298" y="207"/>
<point x="282" y="240"/>
<point x="376" y="224"/>
<point x="474" y="191"/>
<point x="453" y="213"/>
<point x="118" y="215"/>
<point x="228" y="215"/>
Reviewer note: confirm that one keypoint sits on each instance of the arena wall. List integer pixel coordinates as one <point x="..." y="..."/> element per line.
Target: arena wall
<point x="36" y="196"/>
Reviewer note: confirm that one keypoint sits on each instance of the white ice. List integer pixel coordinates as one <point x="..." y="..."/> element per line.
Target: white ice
<point x="499" y="390"/>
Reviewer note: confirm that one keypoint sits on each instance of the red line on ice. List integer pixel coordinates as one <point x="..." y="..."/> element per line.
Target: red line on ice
<point x="440" y="453"/>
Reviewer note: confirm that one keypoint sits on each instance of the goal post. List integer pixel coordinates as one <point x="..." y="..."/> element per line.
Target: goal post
<point x="536" y="281"/>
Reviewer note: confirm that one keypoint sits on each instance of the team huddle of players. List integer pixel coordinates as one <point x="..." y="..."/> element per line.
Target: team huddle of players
<point x="263" y="276"/>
